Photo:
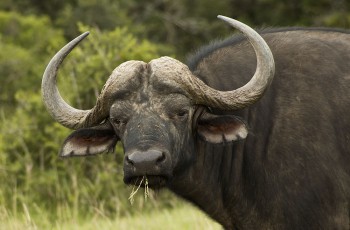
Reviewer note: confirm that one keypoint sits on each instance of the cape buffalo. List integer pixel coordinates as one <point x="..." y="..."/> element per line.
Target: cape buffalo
<point x="255" y="133"/>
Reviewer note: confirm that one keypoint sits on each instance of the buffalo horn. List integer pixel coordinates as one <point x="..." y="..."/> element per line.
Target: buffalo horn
<point x="59" y="109"/>
<point x="250" y="92"/>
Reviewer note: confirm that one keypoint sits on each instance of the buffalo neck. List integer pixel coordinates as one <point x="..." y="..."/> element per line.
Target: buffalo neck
<point x="216" y="171"/>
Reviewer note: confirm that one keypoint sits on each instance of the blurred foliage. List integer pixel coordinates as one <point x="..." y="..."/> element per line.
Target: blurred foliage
<point x="24" y="47"/>
<point x="32" y="31"/>
<point x="184" y="24"/>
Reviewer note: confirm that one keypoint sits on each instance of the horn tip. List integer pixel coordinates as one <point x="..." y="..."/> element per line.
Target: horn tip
<point x="86" y="33"/>
<point x="226" y="19"/>
<point x="222" y="17"/>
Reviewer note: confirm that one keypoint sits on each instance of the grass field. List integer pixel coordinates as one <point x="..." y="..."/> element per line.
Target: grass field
<point x="182" y="217"/>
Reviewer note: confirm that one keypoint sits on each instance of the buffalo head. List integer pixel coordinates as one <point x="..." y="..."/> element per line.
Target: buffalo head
<point x="156" y="110"/>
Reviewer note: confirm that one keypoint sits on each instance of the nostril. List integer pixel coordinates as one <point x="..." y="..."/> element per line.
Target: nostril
<point x="161" y="158"/>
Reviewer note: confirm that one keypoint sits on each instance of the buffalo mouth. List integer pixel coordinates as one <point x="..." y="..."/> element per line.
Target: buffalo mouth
<point x="153" y="182"/>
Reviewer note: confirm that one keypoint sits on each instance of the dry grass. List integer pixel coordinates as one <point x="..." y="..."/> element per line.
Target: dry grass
<point x="134" y="191"/>
<point x="183" y="217"/>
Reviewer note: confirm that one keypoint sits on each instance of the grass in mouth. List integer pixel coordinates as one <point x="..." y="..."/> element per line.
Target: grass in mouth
<point x="136" y="188"/>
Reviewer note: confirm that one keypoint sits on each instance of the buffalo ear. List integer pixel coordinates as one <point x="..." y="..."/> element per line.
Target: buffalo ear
<point x="90" y="141"/>
<point x="221" y="128"/>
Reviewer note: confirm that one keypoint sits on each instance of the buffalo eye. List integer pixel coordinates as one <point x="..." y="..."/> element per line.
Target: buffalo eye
<point x="179" y="115"/>
<point x="118" y="121"/>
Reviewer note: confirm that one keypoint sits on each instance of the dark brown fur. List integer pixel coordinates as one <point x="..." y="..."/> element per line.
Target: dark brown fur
<point x="293" y="170"/>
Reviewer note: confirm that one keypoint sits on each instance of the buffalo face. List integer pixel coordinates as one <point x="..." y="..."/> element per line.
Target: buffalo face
<point x="152" y="126"/>
<point x="152" y="121"/>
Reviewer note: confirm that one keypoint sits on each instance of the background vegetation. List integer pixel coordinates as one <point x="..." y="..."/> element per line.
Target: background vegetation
<point x="40" y="191"/>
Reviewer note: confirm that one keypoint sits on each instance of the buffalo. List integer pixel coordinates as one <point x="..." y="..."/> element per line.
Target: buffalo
<point x="254" y="130"/>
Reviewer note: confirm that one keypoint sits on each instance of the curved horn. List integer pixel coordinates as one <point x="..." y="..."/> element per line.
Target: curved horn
<point x="56" y="106"/>
<point x="250" y="92"/>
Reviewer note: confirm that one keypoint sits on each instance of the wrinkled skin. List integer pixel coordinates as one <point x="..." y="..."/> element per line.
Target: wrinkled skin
<point x="149" y="119"/>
